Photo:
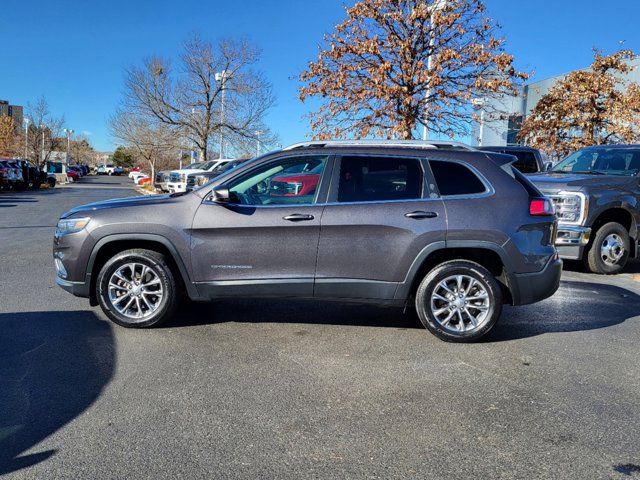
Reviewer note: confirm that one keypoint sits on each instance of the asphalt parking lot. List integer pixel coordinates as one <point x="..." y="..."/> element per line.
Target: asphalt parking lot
<point x="282" y="389"/>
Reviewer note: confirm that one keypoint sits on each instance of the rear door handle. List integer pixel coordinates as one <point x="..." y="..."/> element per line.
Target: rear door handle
<point x="298" y="217"/>
<point x="420" y="214"/>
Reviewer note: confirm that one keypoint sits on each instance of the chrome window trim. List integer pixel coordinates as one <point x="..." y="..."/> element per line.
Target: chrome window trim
<point x="489" y="190"/>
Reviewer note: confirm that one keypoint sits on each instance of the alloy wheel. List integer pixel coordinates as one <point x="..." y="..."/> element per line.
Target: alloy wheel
<point x="460" y="303"/>
<point x="135" y="291"/>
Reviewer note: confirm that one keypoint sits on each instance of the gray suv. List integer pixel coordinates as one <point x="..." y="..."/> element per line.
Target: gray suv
<point x="454" y="231"/>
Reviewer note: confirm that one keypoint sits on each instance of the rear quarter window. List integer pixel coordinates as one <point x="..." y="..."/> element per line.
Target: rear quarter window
<point x="454" y="178"/>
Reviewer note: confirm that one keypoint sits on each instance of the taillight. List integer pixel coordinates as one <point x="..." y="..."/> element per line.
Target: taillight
<point x="540" y="207"/>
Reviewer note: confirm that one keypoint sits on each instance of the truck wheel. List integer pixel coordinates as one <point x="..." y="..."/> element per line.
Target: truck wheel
<point x="459" y="301"/>
<point x="137" y="288"/>
<point x="609" y="250"/>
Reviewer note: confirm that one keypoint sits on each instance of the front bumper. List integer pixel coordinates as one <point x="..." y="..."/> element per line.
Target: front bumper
<point x="529" y="288"/>
<point x="79" y="289"/>
<point x="176" y="187"/>
<point x="572" y="235"/>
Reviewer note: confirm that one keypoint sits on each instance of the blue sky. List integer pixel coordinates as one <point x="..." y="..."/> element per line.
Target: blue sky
<point x="73" y="52"/>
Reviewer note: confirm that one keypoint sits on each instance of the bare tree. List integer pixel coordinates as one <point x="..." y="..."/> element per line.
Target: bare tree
<point x="45" y="131"/>
<point x="153" y="142"/>
<point x="392" y="65"/>
<point x="214" y="96"/>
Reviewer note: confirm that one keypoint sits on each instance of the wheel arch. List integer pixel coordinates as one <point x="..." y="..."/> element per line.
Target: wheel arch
<point x="489" y="255"/>
<point x="110" y="245"/>
<point x="619" y="215"/>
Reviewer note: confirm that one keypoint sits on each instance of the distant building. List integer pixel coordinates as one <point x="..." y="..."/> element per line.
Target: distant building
<point x="504" y="131"/>
<point x="14" y="111"/>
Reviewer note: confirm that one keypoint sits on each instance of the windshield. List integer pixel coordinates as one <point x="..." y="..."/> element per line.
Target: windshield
<point x="193" y="166"/>
<point x="611" y="161"/>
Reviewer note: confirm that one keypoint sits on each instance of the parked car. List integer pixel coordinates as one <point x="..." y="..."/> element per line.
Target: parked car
<point x="198" y="179"/>
<point x="178" y="178"/>
<point x="14" y="174"/>
<point x="529" y="160"/>
<point x="436" y="234"/>
<point x="161" y="180"/>
<point x="137" y="176"/>
<point x="6" y="175"/>
<point x="118" y="170"/>
<point x="105" y="169"/>
<point x="134" y="170"/>
<point x="596" y="194"/>
<point x="72" y="175"/>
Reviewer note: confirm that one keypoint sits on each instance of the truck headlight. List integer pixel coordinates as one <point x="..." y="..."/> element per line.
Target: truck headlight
<point x="71" y="225"/>
<point x="571" y="207"/>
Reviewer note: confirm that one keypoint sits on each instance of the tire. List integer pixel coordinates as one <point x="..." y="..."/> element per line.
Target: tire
<point x="51" y="182"/>
<point x="613" y="239"/>
<point x="485" y="310"/>
<point x="125" y="312"/>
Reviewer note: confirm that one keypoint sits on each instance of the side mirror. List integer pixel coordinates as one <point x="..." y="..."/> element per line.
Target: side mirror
<point x="548" y="166"/>
<point x="221" y="195"/>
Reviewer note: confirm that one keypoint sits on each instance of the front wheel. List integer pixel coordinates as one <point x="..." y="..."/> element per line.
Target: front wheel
<point x="137" y="288"/>
<point x="609" y="251"/>
<point x="459" y="301"/>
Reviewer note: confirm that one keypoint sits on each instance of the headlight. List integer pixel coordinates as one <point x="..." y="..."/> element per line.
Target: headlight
<point x="71" y="225"/>
<point x="183" y="178"/>
<point x="571" y="207"/>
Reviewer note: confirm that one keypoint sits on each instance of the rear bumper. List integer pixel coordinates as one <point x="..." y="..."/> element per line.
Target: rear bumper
<point x="532" y="287"/>
<point x="79" y="289"/>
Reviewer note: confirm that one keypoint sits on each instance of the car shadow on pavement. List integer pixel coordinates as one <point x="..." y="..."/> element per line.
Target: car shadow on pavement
<point x="289" y="310"/>
<point x="53" y="366"/>
<point x="577" y="306"/>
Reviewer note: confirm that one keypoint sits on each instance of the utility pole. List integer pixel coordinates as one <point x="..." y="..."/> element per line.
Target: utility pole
<point x="437" y="5"/>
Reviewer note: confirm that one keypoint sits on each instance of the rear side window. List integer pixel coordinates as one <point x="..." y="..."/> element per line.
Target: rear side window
<point x="455" y="179"/>
<point x="366" y="179"/>
<point x="526" y="162"/>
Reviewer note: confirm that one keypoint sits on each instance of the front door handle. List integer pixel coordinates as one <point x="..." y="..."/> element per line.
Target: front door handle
<point x="298" y="217"/>
<point x="420" y="214"/>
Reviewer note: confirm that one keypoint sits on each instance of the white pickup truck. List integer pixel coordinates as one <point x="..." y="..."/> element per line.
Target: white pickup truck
<point x="178" y="178"/>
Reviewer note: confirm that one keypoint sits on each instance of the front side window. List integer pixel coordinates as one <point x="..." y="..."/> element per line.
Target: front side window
<point x="610" y="161"/>
<point x="367" y="179"/>
<point x="456" y="179"/>
<point x="286" y="181"/>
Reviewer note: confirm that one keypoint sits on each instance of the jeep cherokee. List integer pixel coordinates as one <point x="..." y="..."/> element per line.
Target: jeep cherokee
<point x="454" y="231"/>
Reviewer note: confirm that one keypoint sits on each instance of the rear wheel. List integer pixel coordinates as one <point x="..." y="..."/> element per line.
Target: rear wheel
<point x="609" y="251"/>
<point x="459" y="301"/>
<point x="137" y="288"/>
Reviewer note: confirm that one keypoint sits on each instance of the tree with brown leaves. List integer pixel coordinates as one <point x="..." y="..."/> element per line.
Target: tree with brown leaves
<point x="8" y="138"/>
<point x="393" y="65"/>
<point x="587" y="107"/>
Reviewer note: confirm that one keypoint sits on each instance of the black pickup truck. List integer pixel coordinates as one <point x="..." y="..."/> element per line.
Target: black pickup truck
<point x="596" y="194"/>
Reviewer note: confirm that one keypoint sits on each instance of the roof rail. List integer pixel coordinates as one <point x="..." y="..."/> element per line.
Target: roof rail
<point x="430" y="144"/>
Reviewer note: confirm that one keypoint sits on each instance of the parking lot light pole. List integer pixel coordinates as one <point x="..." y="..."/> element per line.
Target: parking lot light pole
<point x="68" y="132"/>
<point x="437" y="5"/>
<point x="222" y="77"/>
<point x="26" y="138"/>
<point x="258" y="143"/>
